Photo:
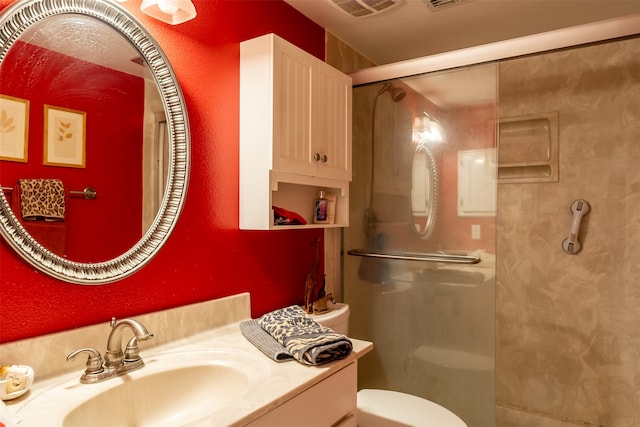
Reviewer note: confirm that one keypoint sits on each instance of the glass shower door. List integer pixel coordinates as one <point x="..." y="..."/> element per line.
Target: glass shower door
<point x="420" y="276"/>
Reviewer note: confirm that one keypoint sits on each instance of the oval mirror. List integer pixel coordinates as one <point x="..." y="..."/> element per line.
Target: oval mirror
<point x="424" y="191"/>
<point x="88" y="102"/>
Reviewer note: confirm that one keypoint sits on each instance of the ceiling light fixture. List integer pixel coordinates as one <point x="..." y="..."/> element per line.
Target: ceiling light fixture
<point x="172" y="12"/>
<point x="427" y="129"/>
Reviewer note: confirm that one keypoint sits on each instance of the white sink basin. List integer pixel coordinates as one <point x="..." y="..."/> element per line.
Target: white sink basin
<point x="169" y="398"/>
<point x="172" y="389"/>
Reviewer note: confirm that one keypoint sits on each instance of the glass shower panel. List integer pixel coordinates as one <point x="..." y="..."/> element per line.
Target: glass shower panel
<point x="424" y="185"/>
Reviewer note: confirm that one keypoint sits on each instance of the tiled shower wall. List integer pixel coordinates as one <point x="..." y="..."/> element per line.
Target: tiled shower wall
<point x="568" y="326"/>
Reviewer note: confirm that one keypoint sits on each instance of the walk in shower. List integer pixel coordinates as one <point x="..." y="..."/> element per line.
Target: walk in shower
<point x="420" y="278"/>
<point x="453" y="262"/>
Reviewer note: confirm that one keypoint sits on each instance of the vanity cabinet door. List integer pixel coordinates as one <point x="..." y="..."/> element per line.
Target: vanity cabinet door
<point x="348" y="421"/>
<point x="331" y="402"/>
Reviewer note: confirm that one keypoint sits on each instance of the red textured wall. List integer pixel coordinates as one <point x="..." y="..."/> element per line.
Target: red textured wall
<point x="207" y="256"/>
<point x="113" y="149"/>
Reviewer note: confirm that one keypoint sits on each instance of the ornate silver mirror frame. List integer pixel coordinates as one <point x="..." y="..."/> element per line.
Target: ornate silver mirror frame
<point x="424" y="192"/>
<point x="17" y="19"/>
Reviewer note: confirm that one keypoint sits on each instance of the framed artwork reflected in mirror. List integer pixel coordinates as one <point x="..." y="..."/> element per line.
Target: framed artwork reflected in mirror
<point x="14" y="128"/>
<point x="64" y="137"/>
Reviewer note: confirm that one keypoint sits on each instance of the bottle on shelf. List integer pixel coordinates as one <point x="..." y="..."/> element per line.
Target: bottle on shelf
<point x="320" y="210"/>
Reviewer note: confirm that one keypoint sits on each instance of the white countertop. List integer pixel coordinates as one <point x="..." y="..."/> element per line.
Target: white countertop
<point x="279" y="383"/>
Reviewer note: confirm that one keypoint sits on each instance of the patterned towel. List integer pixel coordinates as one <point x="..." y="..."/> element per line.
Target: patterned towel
<point x="304" y="338"/>
<point x="42" y="199"/>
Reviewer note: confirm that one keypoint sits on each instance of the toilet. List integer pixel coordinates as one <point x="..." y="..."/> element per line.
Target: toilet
<point x="386" y="408"/>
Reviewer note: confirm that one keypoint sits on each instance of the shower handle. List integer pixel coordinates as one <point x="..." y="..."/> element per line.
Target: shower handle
<point x="579" y="208"/>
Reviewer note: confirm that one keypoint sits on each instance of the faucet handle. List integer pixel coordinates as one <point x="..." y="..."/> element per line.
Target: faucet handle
<point x="94" y="361"/>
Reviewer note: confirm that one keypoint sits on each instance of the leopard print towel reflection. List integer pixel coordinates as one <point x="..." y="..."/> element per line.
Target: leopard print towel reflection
<point x="42" y="199"/>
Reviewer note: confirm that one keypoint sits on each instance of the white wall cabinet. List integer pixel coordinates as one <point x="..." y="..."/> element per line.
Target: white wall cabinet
<point x="331" y="402"/>
<point x="295" y="133"/>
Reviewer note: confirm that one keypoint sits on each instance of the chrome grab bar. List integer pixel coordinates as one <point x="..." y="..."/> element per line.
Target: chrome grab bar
<point x="416" y="256"/>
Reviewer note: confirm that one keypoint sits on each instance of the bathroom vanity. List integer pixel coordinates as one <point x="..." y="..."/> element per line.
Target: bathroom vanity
<point x="199" y="371"/>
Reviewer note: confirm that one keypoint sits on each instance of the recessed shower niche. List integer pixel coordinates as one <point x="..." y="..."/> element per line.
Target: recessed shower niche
<point x="528" y="148"/>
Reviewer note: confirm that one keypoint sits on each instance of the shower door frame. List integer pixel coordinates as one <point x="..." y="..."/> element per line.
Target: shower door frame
<point x="527" y="45"/>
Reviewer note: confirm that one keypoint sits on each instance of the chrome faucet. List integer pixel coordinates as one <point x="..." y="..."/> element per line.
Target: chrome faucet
<point x="116" y="362"/>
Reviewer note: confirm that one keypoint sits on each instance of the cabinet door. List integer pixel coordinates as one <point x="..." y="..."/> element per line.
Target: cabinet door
<point x="295" y="110"/>
<point x="332" y="402"/>
<point x="334" y="123"/>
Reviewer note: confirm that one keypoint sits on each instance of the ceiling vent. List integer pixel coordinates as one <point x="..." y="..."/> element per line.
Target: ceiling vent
<point x="435" y="5"/>
<point x="360" y="8"/>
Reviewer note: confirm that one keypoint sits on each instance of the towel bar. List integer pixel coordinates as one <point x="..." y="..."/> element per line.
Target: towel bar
<point x="416" y="256"/>
<point x="88" y="193"/>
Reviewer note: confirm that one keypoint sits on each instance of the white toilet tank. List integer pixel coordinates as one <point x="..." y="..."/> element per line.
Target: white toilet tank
<point x="337" y="318"/>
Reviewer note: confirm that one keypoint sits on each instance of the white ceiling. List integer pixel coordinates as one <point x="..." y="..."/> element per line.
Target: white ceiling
<point x="410" y="29"/>
<point x="87" y="39"/>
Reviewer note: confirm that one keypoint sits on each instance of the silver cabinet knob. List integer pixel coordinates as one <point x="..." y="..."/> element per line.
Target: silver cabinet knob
<point x="320" y="157"/>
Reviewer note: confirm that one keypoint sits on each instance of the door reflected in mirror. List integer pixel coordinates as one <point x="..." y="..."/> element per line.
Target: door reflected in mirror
<point x="79" y="63"/>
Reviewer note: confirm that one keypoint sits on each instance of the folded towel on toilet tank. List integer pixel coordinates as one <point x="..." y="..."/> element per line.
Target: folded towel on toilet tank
<point x="304" y="338"/>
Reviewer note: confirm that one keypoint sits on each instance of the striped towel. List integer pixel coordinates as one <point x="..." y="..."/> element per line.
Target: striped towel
<point x="304" y="338"/>
<point x="264" y="342"/>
